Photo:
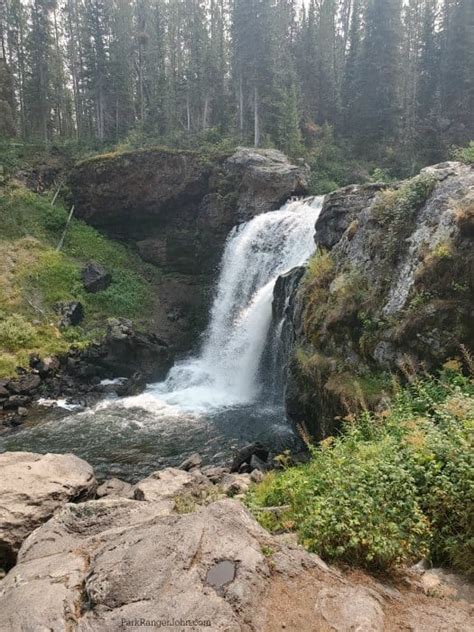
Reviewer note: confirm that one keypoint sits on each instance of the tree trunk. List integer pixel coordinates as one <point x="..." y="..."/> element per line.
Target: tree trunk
<point x="256" y="118"/>
<point x="205" y="113"/>
<point x="241" y="107"/>
<point x="188" y="114"/>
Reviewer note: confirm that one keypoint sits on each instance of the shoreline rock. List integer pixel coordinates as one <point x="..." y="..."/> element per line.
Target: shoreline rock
<point x="32" y="488"/>
<point x="96" y="564"/>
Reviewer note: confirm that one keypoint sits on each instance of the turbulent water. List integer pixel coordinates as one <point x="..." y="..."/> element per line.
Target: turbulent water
<point x="212" y="402"/>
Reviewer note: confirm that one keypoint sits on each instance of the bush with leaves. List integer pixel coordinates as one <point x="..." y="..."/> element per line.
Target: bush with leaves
<point x="16" y="332"/>
<point x="464" y="154"/>
<point x="393" y="488"/>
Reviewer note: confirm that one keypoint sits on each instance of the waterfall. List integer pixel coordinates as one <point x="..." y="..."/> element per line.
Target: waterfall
<point x="226" y="371"/>
<point x="224" y="396"/>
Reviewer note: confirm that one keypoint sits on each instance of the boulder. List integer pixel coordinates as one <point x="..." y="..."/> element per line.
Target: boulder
<point x="95" y="277"/>
<point x="235" y="484"/>
<point x="126" y="352"/>
<point x="106" y="564"/>
<point x="193" y="462"/>
<point x="134" y="385"/>
<point x="32" y="488"/>
<point x="244" y="455"/>
<point x="25" y="384"/>
<point x="45" y="367"/>
<point x="215" y="473"/>
<point x="71" y="313"/>
<point x="256" y="476"/>
<point x="115" y="487"/>
<point x="4" y="392"/>
<point x="15" y="401"/>
<point x="170" y="483"/>
<point x="258" y="464"/>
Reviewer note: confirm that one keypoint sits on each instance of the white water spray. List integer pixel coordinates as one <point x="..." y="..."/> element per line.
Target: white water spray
<point x="226" y="372"/>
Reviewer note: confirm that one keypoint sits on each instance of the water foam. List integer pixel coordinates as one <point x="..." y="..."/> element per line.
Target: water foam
<point x="226" y="372"/>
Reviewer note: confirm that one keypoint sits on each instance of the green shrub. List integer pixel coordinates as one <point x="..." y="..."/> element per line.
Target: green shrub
<point x="392" y="488"/>
<point x="395" y="210"/>
<point x="16" y="332"/>
<point x="464" y="154"/>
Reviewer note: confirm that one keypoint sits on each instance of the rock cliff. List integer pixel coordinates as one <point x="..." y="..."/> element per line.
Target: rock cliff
<point x="177" y="208"/>
<point x="389" y="291"/>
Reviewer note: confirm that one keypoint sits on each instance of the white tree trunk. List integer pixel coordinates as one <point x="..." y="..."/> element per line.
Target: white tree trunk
<point x="256" y="119"/>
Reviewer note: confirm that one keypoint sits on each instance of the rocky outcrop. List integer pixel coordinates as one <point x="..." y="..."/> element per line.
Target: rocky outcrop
<point x="265" y="180"/>
<point x="70" y="314"/>
<point x="177" y="208"/>
<point x="391" y="290"/>
<point x="341" y="208"/>
<point x="137" y="357"/>
<point x="32" y="488"/>
<point x="124" y="352"/>
<point x="106" y="564"/>
<point x="95" y="277"/>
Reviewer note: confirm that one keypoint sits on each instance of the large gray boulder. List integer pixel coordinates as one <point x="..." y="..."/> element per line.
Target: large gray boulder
<point x="95" y="565"/>
<point x="104" y="564"/>
<point x="32" y="488"/>
<point x="266" y="180"/>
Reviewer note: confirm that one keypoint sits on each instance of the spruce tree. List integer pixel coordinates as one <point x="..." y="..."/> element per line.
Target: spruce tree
<point x="457" y="82"/>
<point x="377" y="100"/>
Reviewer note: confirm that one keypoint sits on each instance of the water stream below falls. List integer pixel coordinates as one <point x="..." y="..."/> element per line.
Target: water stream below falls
<point x="213" y="402"/>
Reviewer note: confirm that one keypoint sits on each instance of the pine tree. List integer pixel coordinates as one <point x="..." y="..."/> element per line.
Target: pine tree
<point x="349" y="84"/>
<point x="411" y="50"/>
<point x="429" y="143"/>
<point x="7" y="99"/>
<point x="96" y="67"/>
<point x="376" y="114"/>
<point x="13" y="39"/>
<point x="458" y="71"/>
<point x="121" y="70"/>
<point x="38" y="87"/>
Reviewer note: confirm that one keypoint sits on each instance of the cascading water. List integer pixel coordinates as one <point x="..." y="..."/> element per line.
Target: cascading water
<point x="226" y="372"/>
<point x="211" y="403"/>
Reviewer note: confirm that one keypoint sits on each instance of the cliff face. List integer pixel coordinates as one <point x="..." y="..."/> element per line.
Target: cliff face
<point x="389" y="290"/>
<point x="177" y="208"/>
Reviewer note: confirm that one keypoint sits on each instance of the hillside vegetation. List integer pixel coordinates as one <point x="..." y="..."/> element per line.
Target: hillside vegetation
<point x="35" y="276"/>
<point x="394" y="487"/>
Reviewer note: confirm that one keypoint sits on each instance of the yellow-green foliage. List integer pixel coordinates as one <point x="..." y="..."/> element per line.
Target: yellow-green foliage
<point x="319" y="269"/>
<point x="395" y="210"/>
<point x="16" y="333"/>
<point x="34" y="277"/>
<point x="392" y="488"/>
<point x="331" y="296"/>
<point x="464" y="154"/>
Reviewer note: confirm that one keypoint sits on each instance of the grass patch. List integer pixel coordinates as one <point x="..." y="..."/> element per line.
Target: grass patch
<point x="34" y="277"/>
<point x="394" y="487"/>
